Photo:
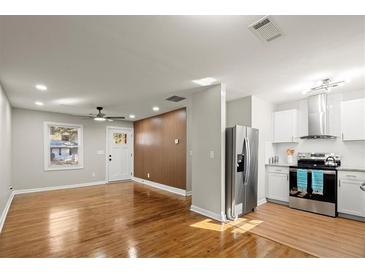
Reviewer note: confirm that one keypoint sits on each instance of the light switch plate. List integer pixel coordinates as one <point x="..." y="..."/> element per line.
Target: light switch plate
<point x="211" y="154"/>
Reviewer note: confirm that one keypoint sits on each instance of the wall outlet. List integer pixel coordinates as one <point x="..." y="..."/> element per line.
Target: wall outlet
<point x="93" y="174"/>
<point x="148" y="175"/>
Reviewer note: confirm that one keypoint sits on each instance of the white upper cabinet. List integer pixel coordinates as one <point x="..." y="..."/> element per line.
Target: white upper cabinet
<point x="285" y="126"/>
<point x="353" y="120"/>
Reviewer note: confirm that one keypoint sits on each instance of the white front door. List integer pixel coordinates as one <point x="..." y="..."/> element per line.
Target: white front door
<point x="119" y="157"/>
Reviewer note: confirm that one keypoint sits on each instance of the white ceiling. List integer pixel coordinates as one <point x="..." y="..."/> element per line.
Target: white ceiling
<point x="130" y="63"/>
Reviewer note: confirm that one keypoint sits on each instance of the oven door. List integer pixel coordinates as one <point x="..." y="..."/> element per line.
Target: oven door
<point x="329" y="185"/>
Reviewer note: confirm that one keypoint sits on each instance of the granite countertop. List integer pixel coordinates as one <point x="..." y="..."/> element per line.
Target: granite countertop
<point x="281" y="164"/>
<point x="351" y="168"/>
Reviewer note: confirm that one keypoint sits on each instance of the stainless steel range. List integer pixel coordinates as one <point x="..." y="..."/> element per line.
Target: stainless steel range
<point x="313" y="183"/>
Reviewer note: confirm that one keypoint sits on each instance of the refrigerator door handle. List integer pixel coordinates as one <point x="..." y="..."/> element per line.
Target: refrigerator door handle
<point x="247" y="162"/>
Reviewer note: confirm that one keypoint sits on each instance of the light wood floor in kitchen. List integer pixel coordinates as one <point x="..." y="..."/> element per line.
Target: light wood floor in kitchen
<point x="131" y="220"/>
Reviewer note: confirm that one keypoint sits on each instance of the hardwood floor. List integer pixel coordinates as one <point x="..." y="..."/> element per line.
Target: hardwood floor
<point x="315" y="234"/>
<point x="125" y="220"/>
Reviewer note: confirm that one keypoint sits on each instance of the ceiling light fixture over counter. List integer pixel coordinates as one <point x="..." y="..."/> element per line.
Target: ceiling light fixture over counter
<point x="205" y="81"/>
<point x="155" y="108"/>
<point x="39" y="103"/>
<point x="132" y="116"/>
<point x="325" y="86"/>
<point x="41" y="87"/>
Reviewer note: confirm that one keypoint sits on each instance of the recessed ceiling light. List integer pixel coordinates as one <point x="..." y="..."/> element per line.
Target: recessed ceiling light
<point x="132" y="116"/>
<point x="155" y="108"/>
<point x="41" y="87"/>
<point x="39" y="103"/>
<point x="205" y="81"/>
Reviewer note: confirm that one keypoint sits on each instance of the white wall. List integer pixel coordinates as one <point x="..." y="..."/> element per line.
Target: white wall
<point x="27" y="150"/>
<point x="262" y="120"/>
<point x="239" y="112"/>
<point x="352" y="153"/>
<point x="208" y="135"/>
<point x="5" y="151"/>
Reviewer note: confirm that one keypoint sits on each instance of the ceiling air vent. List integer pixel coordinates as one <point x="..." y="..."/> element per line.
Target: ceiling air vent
<point x="175" y="98"/>
<point x="265" y="29"/>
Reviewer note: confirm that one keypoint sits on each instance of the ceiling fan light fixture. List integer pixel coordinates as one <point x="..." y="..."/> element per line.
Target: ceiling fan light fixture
<point x="99" y="119"/>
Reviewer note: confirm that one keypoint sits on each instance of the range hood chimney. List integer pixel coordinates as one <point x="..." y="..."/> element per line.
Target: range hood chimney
<point x="317" y="118"/>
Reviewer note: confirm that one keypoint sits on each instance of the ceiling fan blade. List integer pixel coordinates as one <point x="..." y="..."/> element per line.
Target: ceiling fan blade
<point x="115" y="117"/>
<point x="83" y="116"/>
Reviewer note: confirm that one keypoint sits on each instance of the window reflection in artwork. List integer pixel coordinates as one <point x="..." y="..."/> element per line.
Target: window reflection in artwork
<point x="63" y="146"/>
<point x="120" y="138"/>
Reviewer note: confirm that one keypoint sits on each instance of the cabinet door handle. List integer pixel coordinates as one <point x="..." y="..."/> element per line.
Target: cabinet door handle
<point x="362" y="187"/>
<point x="351" y="176"/>
<point x="339" y="183"/>
<point x="342" y="136"/>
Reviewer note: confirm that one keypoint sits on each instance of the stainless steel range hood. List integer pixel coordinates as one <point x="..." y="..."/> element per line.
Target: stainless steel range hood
<point x="317" y="118"/>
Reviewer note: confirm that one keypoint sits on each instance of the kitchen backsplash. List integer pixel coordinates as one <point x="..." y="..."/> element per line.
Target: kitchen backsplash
<point x="352" y="153"/>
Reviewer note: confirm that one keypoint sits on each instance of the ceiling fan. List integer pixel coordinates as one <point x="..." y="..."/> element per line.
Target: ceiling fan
<point x="101" y="117"/>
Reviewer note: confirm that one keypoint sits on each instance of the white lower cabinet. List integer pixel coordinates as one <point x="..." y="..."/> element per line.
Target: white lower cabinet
<point x="351" y="193"/>
<point x="277" y="183"/>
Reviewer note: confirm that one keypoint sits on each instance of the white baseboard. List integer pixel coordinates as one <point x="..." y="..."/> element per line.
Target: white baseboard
<point x="41" y="189"/>
<point x="6" y="210"/>
<point x="161" y="186"/>
<point x="261" y="202"/>
<point x="208" y="213"/>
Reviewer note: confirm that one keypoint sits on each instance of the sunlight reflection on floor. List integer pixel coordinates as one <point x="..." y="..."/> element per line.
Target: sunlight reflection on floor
<point x="241" y="225"/>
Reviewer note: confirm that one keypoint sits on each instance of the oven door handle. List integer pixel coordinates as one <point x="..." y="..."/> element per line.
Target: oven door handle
<point x="327" y="172"/>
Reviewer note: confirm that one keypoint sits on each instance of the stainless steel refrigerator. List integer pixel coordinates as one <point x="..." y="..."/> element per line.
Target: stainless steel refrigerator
<point x="241" y="170"/>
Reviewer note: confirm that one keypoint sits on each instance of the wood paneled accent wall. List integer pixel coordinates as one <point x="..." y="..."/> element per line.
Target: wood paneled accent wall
<point x="155" y="151"/>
